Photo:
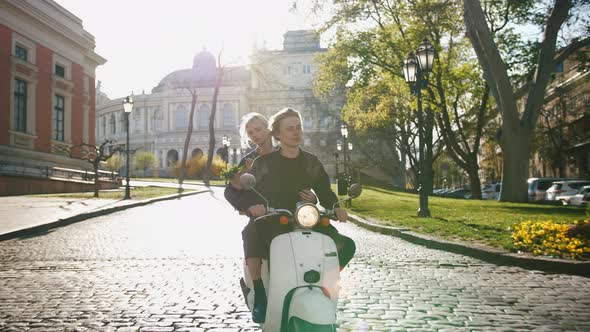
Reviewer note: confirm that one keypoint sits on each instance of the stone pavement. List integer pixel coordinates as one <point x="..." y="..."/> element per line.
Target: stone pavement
<point x="20" y="215"/>
<point x="174" y="266"/>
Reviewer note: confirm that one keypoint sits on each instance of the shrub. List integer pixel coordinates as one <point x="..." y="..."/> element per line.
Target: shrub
<point x="218" y="166"/>
<point x="115" y="162"/>
<point x="145" y="162"/>
<point x="551" y="239"/>
<point x="196" y="166"/>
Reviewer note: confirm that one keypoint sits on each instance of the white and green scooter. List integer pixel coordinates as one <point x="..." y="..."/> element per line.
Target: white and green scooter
<point x="302" y="275"/>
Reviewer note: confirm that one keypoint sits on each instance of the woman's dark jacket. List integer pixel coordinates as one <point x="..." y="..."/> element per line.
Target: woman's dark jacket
<point x="233" y="195"/>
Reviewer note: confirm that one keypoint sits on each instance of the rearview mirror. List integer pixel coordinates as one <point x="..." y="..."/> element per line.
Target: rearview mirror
<point x="247" y="181"/>
<point x="355" y="190"/>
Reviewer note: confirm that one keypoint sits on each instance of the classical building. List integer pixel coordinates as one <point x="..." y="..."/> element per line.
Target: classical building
<point x="563" y="143"/>
<point x="47" y="79"/>
<point x="276" y="79"/>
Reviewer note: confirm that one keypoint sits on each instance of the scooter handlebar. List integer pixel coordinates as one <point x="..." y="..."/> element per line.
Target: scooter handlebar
<point x="274" y="212"/>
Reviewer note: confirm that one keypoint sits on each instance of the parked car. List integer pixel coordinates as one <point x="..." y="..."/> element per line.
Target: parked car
<point x="565" y="188"/>
<point x="581" y="198"/>
<point x="491" y="191"/>
<point x="538" y="187"/>
<point x="458" y="193"/>
<point x="441" y="192"/>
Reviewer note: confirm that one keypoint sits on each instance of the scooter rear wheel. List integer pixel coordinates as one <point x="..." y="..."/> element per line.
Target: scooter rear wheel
<point x="297" y="324"/>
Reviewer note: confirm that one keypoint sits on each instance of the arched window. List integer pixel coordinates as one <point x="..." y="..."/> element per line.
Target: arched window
<point x="103" y="126"/>
<point x="122" y="119"/>
<point x="229" y="119"/>
<point x="113" y="124"/>
<point x="204" y="114"/>
<point x="181" y="118"/>
<point x="137" y="120"/>
<point x="157" y="120"/>
<point x="197" y="153"/>
<point x="307" y="122"/>
<point x="171" y="158"/>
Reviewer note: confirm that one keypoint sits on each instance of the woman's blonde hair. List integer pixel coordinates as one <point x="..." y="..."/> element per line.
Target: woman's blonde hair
<point x="275" y="120"/>
<point x="246" y="120"/>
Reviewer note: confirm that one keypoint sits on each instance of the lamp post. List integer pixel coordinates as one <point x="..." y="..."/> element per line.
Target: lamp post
<point x="226" y="142"/>
<point x="336" y="155"/>
<point x="416" y="70"/>
<point x="344" y="132"/>
<point x="127" y="107"/>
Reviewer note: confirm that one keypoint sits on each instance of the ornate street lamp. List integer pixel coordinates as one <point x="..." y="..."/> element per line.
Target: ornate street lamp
<point x="226" y="141"/>
<point x="344" y="133"/>
<point x="416" y="70"/>
<point x="127" y="107"/>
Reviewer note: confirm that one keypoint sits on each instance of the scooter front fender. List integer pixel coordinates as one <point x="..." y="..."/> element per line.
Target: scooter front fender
<point x="312" y="305"/>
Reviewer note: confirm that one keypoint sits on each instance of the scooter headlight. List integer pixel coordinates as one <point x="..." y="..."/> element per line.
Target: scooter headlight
<point x="307" y="215"/>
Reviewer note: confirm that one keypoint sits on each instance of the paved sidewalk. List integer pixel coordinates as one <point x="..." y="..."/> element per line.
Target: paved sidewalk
<point x="20" y="215"/>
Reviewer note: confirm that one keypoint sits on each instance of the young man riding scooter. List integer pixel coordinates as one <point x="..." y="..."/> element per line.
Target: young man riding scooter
<point x="281" y="175"/>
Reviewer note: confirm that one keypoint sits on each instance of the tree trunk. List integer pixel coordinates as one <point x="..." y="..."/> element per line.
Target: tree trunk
<point x="516" y="149"/>
<point x="187" y="141"/>
<point x="474" y="181"/>
<point x="207" y="173"/>
<point x="96" y="181"/>
<point x="429" y="152"/>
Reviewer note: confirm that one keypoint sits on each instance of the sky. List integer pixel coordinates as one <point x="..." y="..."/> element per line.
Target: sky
<point x="144" y="40"/>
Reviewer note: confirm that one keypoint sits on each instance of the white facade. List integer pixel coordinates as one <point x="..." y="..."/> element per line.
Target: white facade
<point x="275" y="80"/>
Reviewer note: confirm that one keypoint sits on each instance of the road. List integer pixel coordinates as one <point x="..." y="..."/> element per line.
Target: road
<point x="174" y="266"/>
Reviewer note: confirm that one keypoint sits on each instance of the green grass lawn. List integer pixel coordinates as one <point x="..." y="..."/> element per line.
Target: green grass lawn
<point x="136" y="193"/>
<point x="171" y="180"/>
<point x="481" y="221"/>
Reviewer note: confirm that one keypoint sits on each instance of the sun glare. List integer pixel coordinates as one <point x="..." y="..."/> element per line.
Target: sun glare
<point x="159" y="37"/>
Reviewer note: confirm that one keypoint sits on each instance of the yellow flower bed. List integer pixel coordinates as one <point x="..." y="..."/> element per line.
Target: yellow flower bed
<point x="550" y="239"/>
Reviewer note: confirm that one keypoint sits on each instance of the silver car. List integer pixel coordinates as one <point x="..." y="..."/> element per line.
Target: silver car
<point x="579" y="199"/>
<point x="538" y="186"/>
<point x="565" y="188"/>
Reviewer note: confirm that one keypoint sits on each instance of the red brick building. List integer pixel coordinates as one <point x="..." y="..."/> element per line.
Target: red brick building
<point x="47" y="85"/>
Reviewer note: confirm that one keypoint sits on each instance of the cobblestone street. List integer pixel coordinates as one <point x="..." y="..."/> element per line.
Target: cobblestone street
<point x="174" y="266"/>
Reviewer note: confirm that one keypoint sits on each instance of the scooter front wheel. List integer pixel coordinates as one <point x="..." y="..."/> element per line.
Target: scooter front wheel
<point x="297" y="324"/>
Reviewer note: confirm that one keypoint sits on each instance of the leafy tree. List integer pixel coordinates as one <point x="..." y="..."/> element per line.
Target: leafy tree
<point x="518" y="126"/>
<point x="364" y="59"/>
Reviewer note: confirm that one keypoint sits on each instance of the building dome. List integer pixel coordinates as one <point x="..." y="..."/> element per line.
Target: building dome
<point x="204" y="65"/>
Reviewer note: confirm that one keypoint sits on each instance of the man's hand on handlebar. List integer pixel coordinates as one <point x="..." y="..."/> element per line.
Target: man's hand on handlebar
<point x="257" y="210"/>
<point x="308" y="196"/>
<point x="341" y="214"/>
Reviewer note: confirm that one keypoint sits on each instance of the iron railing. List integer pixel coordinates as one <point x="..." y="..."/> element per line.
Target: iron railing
<point x="25" y="169"/>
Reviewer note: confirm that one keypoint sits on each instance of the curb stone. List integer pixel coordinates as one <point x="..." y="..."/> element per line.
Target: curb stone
<point x="87" y="215"/>
<point x="490" y="255"/>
